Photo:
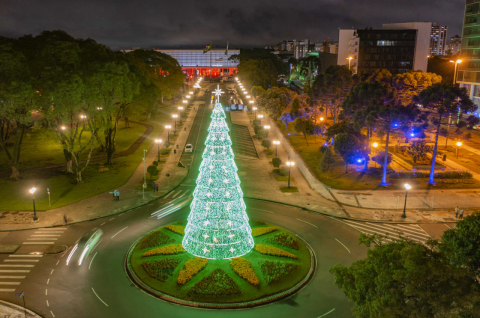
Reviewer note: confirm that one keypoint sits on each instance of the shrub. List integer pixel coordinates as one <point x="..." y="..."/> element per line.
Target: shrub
<point x="283" y="171"/>
<point x="190" y="269"/>
<point x="156" y="238"/>
<point x="322" y="148"/>
<point x="255" y="222"/>
<point x="438" y="175"/>
<point x="285" y="240"/>
<point x="276" y="162"/>
<point x="256" y="122"/>
<point x="218" y="283"/>
<point x="176" y="229"/>
<point x="244" y="269"/>
<point x="165" y="250"/>
<point x="167" y="150"/>
<point x="162" y="269"/>
<point x="380" y="158"/>
<point x="257" y="129"/>
<point x="155" y="163"/>
<point x="274" y="271"/>
<point x="274" y="251"/>
<point x="259" y="231"/>
<point x="152" y="170"/>
<point x="266" y="143"/>
<point x="263" y="133"/>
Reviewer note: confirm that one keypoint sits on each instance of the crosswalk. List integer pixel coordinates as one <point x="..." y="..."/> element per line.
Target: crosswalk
<point x="16" y="267"/>
<point x="391" y="231"/>
<point x="178" y="193"/>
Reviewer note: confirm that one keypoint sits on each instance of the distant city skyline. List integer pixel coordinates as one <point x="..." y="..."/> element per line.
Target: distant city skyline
<point x="122" y="24"/>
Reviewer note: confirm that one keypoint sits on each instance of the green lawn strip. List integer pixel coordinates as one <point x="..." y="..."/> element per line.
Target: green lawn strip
<point x="282" y="178"/>
<point x="288" y="190"/>
<point x="249" y="292"/>
<point x="15" y="196"/>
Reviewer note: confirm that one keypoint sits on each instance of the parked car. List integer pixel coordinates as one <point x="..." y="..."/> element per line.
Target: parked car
<point x="233" y="107"/>
<point x="189" y="148"/>
<point x="240" y="107"/>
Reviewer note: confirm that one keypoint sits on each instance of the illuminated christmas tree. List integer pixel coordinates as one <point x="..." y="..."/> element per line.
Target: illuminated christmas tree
<point x="218" y="226"/>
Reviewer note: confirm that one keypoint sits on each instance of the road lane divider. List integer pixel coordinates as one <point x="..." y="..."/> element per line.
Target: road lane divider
<point x="343" y="245"/>
<point x="119" y="232"/>
<point x="308" y="223"/>
<point x="327" y="313"/>
<point x="99" y="297"/>
<point x="92" y="260"/>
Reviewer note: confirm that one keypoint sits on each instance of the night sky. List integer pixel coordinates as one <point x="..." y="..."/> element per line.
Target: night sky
<point x="194" y="23"/>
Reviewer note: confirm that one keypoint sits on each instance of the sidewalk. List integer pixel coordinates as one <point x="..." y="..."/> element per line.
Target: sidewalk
<point x="14" y="311"/>
<point x="259" y="182"/>
<point x="102" y="205"/>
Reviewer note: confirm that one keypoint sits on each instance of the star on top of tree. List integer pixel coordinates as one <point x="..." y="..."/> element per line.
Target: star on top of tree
<point x="218" y="92"/>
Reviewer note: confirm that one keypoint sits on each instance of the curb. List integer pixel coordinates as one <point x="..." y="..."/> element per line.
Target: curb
<point x="343" y="217"/>
<point x="248" y="304"/>
<point x="20" y="308"/>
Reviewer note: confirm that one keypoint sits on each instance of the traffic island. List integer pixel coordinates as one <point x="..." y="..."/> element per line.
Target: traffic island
<point x="279" y="265"/>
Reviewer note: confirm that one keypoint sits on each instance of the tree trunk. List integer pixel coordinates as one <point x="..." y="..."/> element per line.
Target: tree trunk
<point x="305" y="135"/>
<point x="385" y="160"/>
<point x="434" y="154"/>
<point x="15" y="173"/>
<point x="68" y="159"/>
<point x="14" y="158"/>
<point x="102" y="147"/>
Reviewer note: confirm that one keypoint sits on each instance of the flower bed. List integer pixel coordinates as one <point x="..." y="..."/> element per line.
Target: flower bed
<point x="165" y="250"/>
<point x="244" y="269"/>
<point x="274" y="251"/>
<point x="285" y="240"/>
<point x="263" y="230"/>
<point x="274" y="271"/>
<point x="156" y="238"/>
<point x="218" y="283"/>
<point x="162" y="269"/>
<point x="191" y="267"/>
<point x="176" y="229"/>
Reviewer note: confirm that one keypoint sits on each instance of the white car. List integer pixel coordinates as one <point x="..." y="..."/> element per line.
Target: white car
<point x="240" y="107"/>
<point x="233" y="107"/>
<point x="189" y="148"/>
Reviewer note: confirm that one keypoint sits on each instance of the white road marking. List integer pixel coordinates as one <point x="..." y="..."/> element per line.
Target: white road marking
<point x="52" y="271"/>
<point x="12" y="277"/>
<point x="48" y="305"/>
<point x="39" y="243"/>
<point x="92" y="260"/>
<point x="120" y="214"/>
<point x="102" y="224"/>
<point x="48" y="281"/>
<point x="99" y="297"/>
<point x="21" y="260"/>
<point x="308" y="223"/>
<point x="42" y="238"/>
<point x="16" y="265"/>
<point x="46" y="291"/>
<point x="43" y="235"/>
<point x="7" y="290"/>
<point x="14" y="271"/>
<point x="168" y="195"/>
<point x="52" y="228"/>
<point x="343" y="245"/>
<point x="119" y="232"/>
<point x="57" y="262"/>
<point x="261" y="210"/>
<point x="52" y="314"/>
<point x="25" y="255"/>
<point x="178" y="193"/>
<point x="66" y="252"/>
<point x="9" y="283"/>
<point x="111" y="219"/>
<point x="326" y="313"/>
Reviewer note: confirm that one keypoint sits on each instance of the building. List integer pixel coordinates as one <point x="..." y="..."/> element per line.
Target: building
<point x="213" y="63"/>
<point x="438" y="39"/>
<point x="453" y="47"/>
<point x="301" y="48"/>
<point x="398" y="47"/>
<point x="468" y="73"/>
<point x="333" y="48"/>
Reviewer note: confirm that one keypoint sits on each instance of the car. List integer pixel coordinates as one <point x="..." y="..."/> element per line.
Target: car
<point x="233" y="107"/>
<point x="189" y="148"/>
<point x="240" y="107"/>
<point x="84" y="246"/>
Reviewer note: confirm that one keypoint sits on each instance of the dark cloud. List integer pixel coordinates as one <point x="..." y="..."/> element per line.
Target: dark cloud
<point x="194" y="23"/>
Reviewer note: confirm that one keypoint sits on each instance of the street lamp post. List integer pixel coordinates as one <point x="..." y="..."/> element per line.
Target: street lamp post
<point x="276" y="143"/>
<point x="290" y="164"/>
<point x="168" y="127"/>
<point x="260" y="116"/>
<point x="349" y="60"/>
<point x="83" y="120"/>
<point x="158" y="142"/>
<point x="175" y="116"/>
<point x="255" y="109"/>
<point x="407" y="187"/>
<point x="455" y="72"/>
<point x="32" y="191"/>
<point x="459" y="144"/>
<point x="266" y="127"/>
<point x="374" y="145"/>
<point x="180" y="109"/>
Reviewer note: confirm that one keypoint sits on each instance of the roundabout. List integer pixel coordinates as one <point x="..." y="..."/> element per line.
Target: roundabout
<point x="280" y="264"/>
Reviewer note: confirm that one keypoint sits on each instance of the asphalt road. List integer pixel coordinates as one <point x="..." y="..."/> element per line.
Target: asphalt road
<point x="100" y="287"/>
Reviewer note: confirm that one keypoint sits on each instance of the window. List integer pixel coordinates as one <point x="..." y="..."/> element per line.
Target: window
<point x="385" y="43"/>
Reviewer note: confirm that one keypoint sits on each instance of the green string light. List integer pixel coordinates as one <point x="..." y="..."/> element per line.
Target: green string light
<point x="217" y="225"/>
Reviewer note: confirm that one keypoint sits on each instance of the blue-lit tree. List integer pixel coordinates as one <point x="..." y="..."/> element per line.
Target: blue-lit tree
<point x="218" y="226"/>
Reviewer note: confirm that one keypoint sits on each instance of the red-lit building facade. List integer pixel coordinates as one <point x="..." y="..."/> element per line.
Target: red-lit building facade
<point x="213" y="63"/>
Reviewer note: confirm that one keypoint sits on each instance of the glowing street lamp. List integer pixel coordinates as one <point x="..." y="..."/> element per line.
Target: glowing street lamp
<point x="276" y="143"/>
<point x="458" y="144"/>
<point x="175" y="116"/>
<point x="63" y="127"/>
<point x="349" y="60"/>
<point x="32" y="191"/>
<point x="180" y="108"/>
<point x="255" y="109"/>
<point x="188" y="96"/>
<point x="251" y="102"/>
<point x="248" y="96"/>
<point x="191" y="93"/>
<point x="168" y="127"/>
<point x="455" y="72"/>
<point x="266" y="127"/>
<point x="290" y="164"/>
<point x="185" y="101"/>
<point x="83" y="117"/>
<point x="374" y="145"/>
<point x="260" y="116"/>
<point x="158" y="142"/>
<point x="322" y="119"/>
<point x="407" y="187"/>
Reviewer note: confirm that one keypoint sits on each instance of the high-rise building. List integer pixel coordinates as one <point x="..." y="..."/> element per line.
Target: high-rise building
<point x="438" y="39"/>
<point x="468" y="71"/>
<point x="398" y="47"/>
<point x="454" y="45"/>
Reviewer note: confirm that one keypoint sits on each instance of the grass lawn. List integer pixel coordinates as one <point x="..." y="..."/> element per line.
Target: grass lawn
<point x="288" y="190"/>
<point x="355" y="178"/>
<point x="283" y="178"/>
<point x="248" y="291"/>
<point x="63" y="189"/>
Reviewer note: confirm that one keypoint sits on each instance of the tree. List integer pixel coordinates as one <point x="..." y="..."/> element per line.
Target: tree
<point x="407" y="279"/>
<point x="305" y="125"/>
<point x="346" y="146"/>
<point x="218" y="223"/>
<point x="461" y="244"/>
<point x="258" y="73"/>
<point x="327" y="162"/>
<point x="443" y="100"/>
<point x="295" y="109"/>
<point x="257" y="91"/>
<point x="276" y="162"/>
<point x="152" y="170"/>
<point x="442" y="67"/>
<point x="276" y="100"/>
<point x="16" y="103"/>
<point x="266" y="143"/>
